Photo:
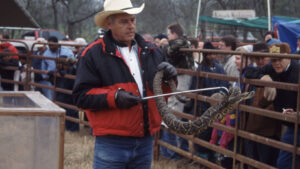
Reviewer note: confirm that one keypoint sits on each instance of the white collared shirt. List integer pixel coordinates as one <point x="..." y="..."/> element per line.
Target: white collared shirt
<point x="131" y="59"/>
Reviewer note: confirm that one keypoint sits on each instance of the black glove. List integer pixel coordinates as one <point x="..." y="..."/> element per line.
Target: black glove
<point x="170" y="71"/>
<point x="125" y="100"/>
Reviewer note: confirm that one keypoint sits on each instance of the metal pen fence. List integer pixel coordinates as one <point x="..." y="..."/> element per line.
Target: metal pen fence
<point x="28" y="55"/>
<point x="238" y="158"/>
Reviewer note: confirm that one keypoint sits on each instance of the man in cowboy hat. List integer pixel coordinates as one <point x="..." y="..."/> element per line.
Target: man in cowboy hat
<point x="114" y="73"/>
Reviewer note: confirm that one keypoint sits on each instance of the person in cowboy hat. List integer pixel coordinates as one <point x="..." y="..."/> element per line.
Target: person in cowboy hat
<point x="114" y="73"/>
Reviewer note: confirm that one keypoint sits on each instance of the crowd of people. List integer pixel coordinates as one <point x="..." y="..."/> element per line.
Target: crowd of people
<point x="264" y="68"/>
<point x="51" y="67"/>
<point x="116" y="70"/>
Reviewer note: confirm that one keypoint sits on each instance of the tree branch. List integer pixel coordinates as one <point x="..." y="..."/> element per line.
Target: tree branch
<point x="28" y="4"/>
<point x="223" y="5"/>
<point x="64" y="3"/>
<point x="84" y="18"/>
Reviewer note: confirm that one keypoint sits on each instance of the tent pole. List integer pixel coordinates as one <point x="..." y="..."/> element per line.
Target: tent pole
<point x="197" y="18"/>
<point x="269" y="15"/>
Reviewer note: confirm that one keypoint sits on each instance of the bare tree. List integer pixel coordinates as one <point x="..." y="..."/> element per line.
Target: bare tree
<point x="54" y="9"/>
<point x="75" y="17"/>
<point x="68" y="16"/>
<point x="77" y="12"/>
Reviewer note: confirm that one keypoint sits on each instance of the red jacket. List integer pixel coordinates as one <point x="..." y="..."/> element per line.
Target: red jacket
<point x="101" y="72"/>
<point x="7" y="46"/>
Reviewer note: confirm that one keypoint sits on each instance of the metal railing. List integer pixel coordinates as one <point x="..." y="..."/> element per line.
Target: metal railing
<point x="238" y="133"/>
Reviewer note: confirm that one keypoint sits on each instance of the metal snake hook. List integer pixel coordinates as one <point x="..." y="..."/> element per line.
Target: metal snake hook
<point x="186" y="91"/>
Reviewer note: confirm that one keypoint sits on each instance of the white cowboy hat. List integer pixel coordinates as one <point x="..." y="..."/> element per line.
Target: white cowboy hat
<point x="80" y="41"/>
<point x="40" y="40"/>
<point x="115" y="7"/>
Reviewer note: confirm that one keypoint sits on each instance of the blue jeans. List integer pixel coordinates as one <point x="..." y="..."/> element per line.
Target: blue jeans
<point x="285" y="158"/>
<point x="47" y="92"/>
<point x="170" y="139"/>
<point x="119" y="152"/>
<point x="72" y="126"/>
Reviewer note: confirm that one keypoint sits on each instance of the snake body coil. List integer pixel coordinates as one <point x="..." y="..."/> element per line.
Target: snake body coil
<point x="205" y="120"/>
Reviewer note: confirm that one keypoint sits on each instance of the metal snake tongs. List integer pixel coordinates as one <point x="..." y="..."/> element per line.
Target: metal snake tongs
<point x="186" y="91"/>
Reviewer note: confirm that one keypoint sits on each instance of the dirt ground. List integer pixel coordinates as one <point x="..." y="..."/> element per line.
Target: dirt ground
<point x="79" y="150"/>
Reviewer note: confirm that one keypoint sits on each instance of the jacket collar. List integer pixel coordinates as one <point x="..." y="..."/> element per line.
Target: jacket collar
<point x="111" y="44"/>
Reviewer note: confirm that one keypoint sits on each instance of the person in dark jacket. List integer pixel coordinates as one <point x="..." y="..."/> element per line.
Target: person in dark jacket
<point x="281" y="70"/>
<point x="183" y="60"/>
<point x="176" y="41"/>
<point x="113" y="74"/>
<point x="258" y="124"/>
<point x="208" y="64"/>
<point x="7" y="60"/>
<point x="11" y="60"/>
<point x="5" y="45"/>
<point x="64" y="68"/>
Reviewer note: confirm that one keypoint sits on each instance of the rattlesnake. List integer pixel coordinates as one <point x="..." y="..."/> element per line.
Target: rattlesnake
<point x="197" y="126"/>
